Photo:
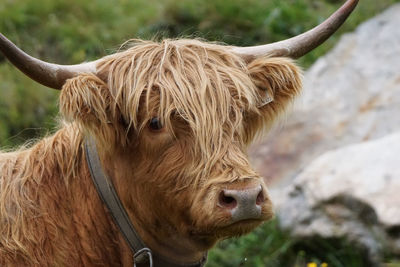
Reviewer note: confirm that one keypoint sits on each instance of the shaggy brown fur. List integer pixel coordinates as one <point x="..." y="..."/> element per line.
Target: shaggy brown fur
<point x="210" y="104"/>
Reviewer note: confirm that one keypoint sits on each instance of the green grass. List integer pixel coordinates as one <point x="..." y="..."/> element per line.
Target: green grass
<point x="26" y="108"/>
<point x="269" y="246"/>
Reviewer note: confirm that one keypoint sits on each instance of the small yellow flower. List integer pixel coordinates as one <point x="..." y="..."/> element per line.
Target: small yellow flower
<point x="312" y="264"/>
<point x="324" y="264"/>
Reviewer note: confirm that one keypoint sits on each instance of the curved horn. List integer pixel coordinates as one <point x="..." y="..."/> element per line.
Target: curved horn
<point x="300" y="45"/>
<point x="48" y="74"/>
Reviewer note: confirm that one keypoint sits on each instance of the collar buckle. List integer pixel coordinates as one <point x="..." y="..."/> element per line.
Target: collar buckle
<point x="143" y="255"/>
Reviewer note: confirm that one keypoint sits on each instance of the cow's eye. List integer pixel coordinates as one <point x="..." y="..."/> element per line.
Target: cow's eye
<point x="155" y="124"/>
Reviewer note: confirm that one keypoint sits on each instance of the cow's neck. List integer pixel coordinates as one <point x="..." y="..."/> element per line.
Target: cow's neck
<point x="89" y="236"/>
<point x="167" y="242"/>
<point x="63" y="219"/>
<point x="98" y="238"/>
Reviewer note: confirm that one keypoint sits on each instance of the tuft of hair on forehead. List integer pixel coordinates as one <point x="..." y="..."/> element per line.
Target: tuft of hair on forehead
<point x="203" y="83"/>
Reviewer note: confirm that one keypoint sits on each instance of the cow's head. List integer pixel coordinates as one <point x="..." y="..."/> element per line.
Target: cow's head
<point x="172" y="121"/>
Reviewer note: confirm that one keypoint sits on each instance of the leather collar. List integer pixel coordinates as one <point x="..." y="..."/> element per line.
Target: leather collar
<point x="141" y="253"/>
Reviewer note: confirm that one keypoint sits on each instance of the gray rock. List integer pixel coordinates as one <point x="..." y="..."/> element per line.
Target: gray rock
<point x="351" y="193"/>
<point x="350" y="95"/>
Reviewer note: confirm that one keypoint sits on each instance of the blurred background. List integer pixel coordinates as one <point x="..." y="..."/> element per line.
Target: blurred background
<point x="70" y="32"/>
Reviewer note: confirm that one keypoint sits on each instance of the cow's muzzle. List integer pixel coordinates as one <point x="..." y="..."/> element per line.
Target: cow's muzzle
<point x="243" y="204"/>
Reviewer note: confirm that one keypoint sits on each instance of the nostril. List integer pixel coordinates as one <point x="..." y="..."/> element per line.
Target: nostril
<point x="225" y="201"/>
<point x="260" y="198"/>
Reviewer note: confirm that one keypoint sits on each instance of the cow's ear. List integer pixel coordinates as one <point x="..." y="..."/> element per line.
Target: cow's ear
<point x="278" y="81"/>
<point x="86" y="99"/>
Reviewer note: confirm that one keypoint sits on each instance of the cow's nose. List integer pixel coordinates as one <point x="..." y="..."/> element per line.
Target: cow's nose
<point x="242" y="203"/>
